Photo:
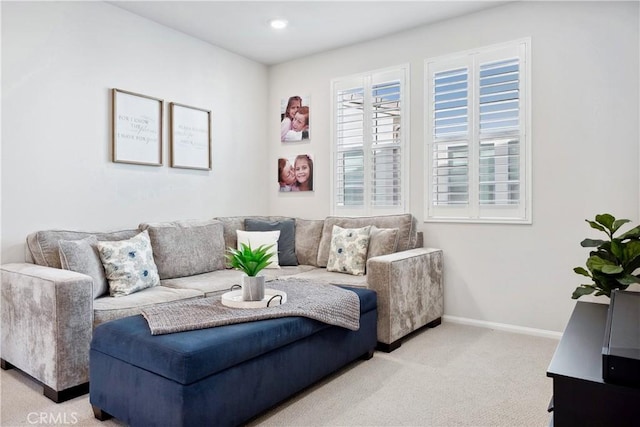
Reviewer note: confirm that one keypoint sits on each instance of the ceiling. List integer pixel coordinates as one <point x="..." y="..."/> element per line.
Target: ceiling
<point x="314" y="26"/>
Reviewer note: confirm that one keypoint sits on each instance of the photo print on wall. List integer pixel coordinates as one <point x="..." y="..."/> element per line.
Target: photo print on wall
<point x="295" y="174"/>
<point x="294" y="119"/>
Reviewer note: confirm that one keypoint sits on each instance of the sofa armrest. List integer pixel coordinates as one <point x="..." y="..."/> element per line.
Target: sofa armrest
<point x="47" y="318"/>
<point x="410" y="292"/>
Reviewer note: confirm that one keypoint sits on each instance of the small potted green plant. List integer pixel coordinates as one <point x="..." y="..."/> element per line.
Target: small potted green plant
<point x="251" y="262"/>
<point x="614" y="262"/>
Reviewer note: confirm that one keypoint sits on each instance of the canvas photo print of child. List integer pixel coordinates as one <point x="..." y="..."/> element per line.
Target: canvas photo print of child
<point x="295" y="174"/>
<point x="294" y="119"/>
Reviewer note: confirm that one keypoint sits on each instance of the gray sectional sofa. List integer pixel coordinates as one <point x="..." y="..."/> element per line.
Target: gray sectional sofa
<point x="49" y="313"/>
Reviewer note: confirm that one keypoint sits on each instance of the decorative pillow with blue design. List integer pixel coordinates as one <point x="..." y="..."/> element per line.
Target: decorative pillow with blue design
<point x="348" y="253"/>
<point x="129" y="265"/>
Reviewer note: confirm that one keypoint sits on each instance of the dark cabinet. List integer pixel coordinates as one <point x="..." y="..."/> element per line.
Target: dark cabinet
<point x="580" y="395"/>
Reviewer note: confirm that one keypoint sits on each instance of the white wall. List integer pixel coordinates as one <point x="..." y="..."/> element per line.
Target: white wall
<point x="59" y="62"/>
<point x="60" y="59"/>
<point x="585" y="135"/>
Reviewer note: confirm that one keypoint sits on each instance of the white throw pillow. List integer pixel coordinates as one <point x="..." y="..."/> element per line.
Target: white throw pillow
<point x="129" y="265"/>
<point x="259" y="238"/>
<point x="348" y="253"/>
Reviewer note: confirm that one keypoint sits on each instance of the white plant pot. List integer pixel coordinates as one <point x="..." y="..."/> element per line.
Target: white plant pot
<point x="252" y="288"/>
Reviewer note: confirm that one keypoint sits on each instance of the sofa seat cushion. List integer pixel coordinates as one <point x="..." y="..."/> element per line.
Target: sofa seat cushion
<point x="109" y="308"/>
<point x="322" y="275"/>
<point x="212" y="283"/>
<point x="286" y="271"/>
<point x="221" y="281"/>
<point x="187" y="357"/>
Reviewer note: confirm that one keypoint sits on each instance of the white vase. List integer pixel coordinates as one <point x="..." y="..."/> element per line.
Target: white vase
<point x="252" y="288"/>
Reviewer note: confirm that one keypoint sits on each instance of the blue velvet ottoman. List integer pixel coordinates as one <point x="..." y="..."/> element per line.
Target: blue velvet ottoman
<point x="221" y="376"/>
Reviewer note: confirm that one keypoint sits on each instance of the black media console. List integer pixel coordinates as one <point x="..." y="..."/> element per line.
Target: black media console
<point x="581" y="397"/>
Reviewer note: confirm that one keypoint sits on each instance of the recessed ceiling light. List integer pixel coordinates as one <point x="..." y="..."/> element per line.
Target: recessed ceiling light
<point x="278" y="24"/>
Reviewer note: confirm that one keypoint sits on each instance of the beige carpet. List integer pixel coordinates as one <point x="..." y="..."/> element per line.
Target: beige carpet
<point x="452" y="375"/>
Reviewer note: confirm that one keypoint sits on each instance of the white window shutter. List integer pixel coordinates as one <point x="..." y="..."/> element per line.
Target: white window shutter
<point x="499" y="150"/>
<point x="386" y="144"/>
<point x="369" y="150"/>
<point x="450" y="123"/>
<point x="477" y="135"/>
<point x="349" y="146"/>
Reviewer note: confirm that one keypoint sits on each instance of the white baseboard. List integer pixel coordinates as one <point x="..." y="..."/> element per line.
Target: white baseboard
<point x="502" y="327"/>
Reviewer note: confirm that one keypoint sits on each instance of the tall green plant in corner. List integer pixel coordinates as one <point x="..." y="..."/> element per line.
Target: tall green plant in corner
<point x="615" y="263"/>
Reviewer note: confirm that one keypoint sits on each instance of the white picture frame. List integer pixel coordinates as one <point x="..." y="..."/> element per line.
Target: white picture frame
<point x="190" y="136"/>
<point x="136" y="128"/>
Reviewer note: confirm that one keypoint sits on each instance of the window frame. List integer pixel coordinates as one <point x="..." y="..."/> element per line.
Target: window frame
<point x="474" y="211"/>
<point x="369" y="79"/>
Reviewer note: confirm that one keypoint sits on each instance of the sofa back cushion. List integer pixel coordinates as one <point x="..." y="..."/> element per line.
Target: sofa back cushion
<point x="383" y="241"/>
<point x="405" y="223"/>
<point x="185" y="248"/>
<point x="43" y="246"/>
<point x="308" y="235"/>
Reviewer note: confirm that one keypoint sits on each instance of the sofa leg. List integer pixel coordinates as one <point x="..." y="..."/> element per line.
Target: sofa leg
<point x="55" y="395"/>
<point x="388" y="348"/>
<point x="66" y="394"/>
<point x="100" y="414"/>
<point x="368" y="355"/>
<point x="434" y="323"/>
<point x="5" y="365"/>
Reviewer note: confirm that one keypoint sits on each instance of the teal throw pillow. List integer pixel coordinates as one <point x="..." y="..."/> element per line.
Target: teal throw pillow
<point x="286" y="242"/>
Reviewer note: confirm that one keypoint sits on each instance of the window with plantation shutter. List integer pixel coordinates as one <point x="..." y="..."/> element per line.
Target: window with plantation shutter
<point x="477" y="139"/>
<point x="451" y="127"/>
<point x="370" y="118"/>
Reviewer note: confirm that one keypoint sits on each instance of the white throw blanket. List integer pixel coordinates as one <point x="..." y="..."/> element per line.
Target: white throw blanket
<point x="327" y="303"/>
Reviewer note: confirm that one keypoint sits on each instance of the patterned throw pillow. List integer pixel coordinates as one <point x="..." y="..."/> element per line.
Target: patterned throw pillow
<point x="348" y="252"/>
<point x="129" y="265"/>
